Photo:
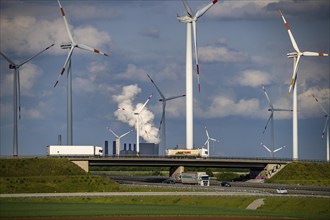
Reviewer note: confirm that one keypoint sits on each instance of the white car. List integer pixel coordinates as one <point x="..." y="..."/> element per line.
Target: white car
<point x="282" y="191"/>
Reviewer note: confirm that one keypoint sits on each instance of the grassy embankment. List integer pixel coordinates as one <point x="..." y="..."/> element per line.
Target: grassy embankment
<point x="312" y="174"/>
<point x="59" y="175"/>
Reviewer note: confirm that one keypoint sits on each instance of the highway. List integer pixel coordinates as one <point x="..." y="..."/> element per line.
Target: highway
<point x="139" y="194"/>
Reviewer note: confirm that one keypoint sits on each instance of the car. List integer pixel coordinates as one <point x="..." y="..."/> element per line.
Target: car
<point x="169" y="181"/>
<point x="225" y="184"/>
<point x="282" y="191"/>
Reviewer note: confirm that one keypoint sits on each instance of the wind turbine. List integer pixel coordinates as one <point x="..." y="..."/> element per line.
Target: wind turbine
<point x="296" y="57"/>
<point x="272" y="151"/>
<point x="163" y="100"/>
<point x="207" y="142"/>
<point x="137" y="125"/>
<point x="71" y="46"/>
<point x="191" y="19"/>
<point x="271" y="119"/>
<point x="326" y="126"/>
<point x="118" y="139"/>
<point x="17" y="95"/>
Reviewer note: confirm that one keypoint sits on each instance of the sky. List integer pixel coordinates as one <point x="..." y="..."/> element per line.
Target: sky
<point x="242" y="46"/>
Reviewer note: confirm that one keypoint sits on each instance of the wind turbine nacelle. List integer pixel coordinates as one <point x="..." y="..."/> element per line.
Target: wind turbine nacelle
<point x="185" y="19"/>
<point x="66" y="45"/>
<point x="12" y="66"/>
<point x="292" y="55"/>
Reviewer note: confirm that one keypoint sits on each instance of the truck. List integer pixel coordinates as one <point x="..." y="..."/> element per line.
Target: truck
<point x="196" y="178"/>
<point x="74" y="151"/>
<point x="193" y="153"/>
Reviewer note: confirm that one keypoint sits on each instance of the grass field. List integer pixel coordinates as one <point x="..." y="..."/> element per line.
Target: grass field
<point x="312" y="174"/>
<point x="164" y="206"/>
<point x="60" y="175"/>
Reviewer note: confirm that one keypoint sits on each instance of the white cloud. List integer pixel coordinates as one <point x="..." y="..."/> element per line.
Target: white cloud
<point x="258" y="10"/>
<point x="220" y="54"/>
<point x="253" y="78"/>
<point x="29" y="73"/>
<point x="31" y="35"/>
<point x="224" y="106"/>
<point x="307" y="105"/>
<point x="133" y="73"/>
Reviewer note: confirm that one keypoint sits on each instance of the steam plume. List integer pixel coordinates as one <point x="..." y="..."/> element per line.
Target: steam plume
<point x="126" y="109"/>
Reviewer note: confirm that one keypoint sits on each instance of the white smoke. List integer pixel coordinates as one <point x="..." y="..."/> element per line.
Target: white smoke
<point x="126" y="110"/>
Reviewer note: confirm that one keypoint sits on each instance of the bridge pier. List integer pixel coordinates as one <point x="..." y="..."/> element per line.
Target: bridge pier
<point x="176" y="171"/>
<point x="82" y="164"/>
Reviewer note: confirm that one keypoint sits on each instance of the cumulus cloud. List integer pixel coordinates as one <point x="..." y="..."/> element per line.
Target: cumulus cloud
<point x="253" y="78"/>
<point x="29" y="74"/>
<point x="224" y="106"/>
<point x="257" y="10"/>
<point x="211" y="54"/>
<point x="133" y="73"/>
<point x="31" y="35"/>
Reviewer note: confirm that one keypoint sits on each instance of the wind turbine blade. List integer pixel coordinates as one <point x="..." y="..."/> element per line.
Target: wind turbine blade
<point x="145" y="104"/>
<point x="175" y="97"/>
<point x="207" y="133"/>
<point x="160" y="93"/>
<point x="270" y="117"/>
<point x="202" y="11"/>
<point x="269" y="102"/>
<point x="207" y="140"/>
<point x="314" y="54"/>
<point x="196" y="53"/>
<point x="323" y="109"/>
<point x="85" y="47"/>
<point x="294" y="75"/>
<point x="65" y="64"/>
<point x="18" y="94"/>
<point x="278" y="149"/>
<point x="212" y="139"/>
<point x="66" y="22"/>
<point x="188" y="9"/>
<point x="125" y="134"/>
<point x="9" y="60"/>
<point x="266" y="148"/>
<point x="113" y="132"/>
<point x="35" y="55"/>
<point x="293" y="41"/>
<point x="325" y="126"/>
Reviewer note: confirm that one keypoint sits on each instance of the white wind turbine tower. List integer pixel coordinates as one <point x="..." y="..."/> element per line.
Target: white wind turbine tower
<point x="272" y="151"/>
<point x="190" y="19"/>
<point x="326" y="126"/>
<point x="71" y="46"/>
<point x="17" y="94"/>
<point x="271" y="119"/>
<point x="118" y="137"/>
<point x="208" y="139"/>
<point x="138" y="127"/>
<point x="296" y="57"/>
<point x="162" y="121"/>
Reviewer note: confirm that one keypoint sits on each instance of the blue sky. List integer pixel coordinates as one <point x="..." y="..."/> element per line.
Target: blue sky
<point x="242" y="45"/>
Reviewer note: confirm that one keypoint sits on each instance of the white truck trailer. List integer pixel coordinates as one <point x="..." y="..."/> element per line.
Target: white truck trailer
<point x="193" y="153"/>
<point x="196" y="178"/>
<point x="74" y="151"/>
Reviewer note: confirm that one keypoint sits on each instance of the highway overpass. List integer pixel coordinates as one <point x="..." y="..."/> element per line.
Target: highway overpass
<point x="175" y="163"/>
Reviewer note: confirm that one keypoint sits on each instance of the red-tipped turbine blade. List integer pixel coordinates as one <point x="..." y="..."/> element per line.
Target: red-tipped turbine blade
<point x="293" y="41"/>
<point x="66" y="22"/>
<point x="85" y="47"/>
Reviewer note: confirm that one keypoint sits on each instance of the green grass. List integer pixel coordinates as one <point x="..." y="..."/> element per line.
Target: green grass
<point x="314" y="174"/>
<point x="308" y="208"/>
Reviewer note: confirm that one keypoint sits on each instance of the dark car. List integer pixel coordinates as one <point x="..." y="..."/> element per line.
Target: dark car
<point x="225" y="184"/>
<point x="169" y="181"/>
